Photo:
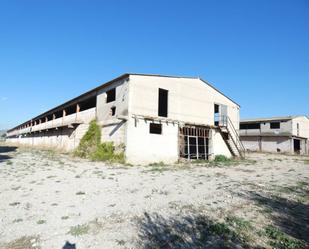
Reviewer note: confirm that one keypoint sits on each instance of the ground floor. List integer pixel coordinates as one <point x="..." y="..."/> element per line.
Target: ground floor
<point x="51" y="200"/>
<point x="279" y="144"/>
<point x="144" y="140"/>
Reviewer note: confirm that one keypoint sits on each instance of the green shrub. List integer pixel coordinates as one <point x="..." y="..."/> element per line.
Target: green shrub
<point x="90" y="141"/>
<point x="91" y="147"/>
<point x="106" y="152"/>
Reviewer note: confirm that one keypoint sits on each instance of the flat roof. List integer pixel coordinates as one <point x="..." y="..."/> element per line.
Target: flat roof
<point x="282" y="118"/>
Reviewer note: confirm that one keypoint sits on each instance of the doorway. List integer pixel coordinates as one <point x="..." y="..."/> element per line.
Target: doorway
<point x="220" y="115"/>
<point x="297" y="146"/>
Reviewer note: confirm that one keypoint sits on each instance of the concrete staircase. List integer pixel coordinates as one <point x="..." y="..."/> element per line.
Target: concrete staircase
<point x="231" y="137"/>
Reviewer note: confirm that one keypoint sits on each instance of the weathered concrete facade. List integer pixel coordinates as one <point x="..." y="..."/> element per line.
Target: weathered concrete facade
<point x="282" y="134"/>
<point x="156" y="118"/>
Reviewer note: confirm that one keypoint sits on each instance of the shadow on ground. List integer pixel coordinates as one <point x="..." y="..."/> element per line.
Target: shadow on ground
<point x="6" y="149"/>
<point x="194" y="231"/>
<point x="290" y="216"/>
<point x="68" y="245"/>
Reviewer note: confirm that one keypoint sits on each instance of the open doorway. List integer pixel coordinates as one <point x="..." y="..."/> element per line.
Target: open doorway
<point x="297" y="146"/>
<point x="220" y="114"/>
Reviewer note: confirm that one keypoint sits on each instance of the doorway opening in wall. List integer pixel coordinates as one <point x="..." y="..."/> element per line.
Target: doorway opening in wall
<point x="194" y="142"/>
<point x="220" y="115"/>
<point x="163" y="103"/>
<point x="297" y="146"/>
<point x="217" y="114"/>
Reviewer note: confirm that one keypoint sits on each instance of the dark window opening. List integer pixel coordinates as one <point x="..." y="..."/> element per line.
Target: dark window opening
<point x="216" y="108"/>
<point x="70" y="110"/>
<point x="111" y="95"/>
<point x="50" y="117"/>
<point x="275" y="125"/>
<point x="58" y="114"/>
<point x="88" y="103"/>
<point x="155" y="128"/>
<point x="251" y="126"/>
<point x="113" y="111"/>
<point x="163" y="103"/>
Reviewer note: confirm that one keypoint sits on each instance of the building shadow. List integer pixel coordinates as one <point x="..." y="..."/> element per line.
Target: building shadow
<point x="290" y="216"/>
<point x="3" y="158"/>
<point x="6" y="149"/>
<point x="186" y="232"/>
<point x="68" y="245"/>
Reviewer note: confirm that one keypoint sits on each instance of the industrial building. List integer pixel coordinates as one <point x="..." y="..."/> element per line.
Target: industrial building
<point x="277" y="134"/>
<point x="155" y="118"/>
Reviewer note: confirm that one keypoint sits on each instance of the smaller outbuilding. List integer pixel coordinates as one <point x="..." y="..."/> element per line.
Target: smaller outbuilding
<point x="288" y="134"/>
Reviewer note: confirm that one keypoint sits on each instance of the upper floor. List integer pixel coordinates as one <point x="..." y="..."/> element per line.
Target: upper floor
<point x="277" y="126"/>
<point x="184" y="99"/>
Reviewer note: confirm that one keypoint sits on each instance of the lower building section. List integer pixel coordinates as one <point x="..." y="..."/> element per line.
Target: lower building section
<point x="145" y="140"/>
<point x="276" y="144"/>
<point x="150" y="141"/>
<point x="64" y="138"/>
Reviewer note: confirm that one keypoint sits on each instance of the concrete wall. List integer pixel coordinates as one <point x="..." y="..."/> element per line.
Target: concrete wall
<point x="218" y="145"/>
<point x="251" y="143"/>
<point x="189" y="100"/>
<point x="303" y="130"/>
<point x="285" y="129"/>
<point x="144" y="148"/>
<point x="113" y="128"/>
<point x="62" y="138"/>
<point x="268" y="144"/>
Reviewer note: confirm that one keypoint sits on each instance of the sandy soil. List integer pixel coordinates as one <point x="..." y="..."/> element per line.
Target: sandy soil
<point x="48" y="200"/>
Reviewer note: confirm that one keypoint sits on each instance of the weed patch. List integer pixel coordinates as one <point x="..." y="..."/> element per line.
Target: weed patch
<point x="40" y="222"/>
<point x="280" y="240"/>
<point x="79" y="230"/>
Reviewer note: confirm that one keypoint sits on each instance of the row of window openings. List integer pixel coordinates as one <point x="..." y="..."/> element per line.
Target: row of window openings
<point x="85" y="105"/>
<point x="110" y="97"/>
<point x="254" y="126"/>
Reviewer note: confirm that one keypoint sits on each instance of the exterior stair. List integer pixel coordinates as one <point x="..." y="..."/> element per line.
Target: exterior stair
<point x="231" y="137"/>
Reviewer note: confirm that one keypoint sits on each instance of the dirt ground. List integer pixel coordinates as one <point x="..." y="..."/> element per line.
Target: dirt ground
<point x="51" y="200"/>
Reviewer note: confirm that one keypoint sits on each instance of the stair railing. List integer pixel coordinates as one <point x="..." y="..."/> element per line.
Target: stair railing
<point x="227" y="122"/>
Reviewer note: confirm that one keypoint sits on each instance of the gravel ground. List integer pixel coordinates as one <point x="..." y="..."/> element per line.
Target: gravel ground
<point x="51" y="200"/>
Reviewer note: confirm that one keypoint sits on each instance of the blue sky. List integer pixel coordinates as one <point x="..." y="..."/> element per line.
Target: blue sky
<point x="256" y="52"/>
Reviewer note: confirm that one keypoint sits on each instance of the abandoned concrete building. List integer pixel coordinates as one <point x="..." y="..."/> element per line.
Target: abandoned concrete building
<point x="155" y="118"/>
<point x="278" y="134"/>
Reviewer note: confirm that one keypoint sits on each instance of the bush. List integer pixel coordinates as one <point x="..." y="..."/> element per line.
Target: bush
<point x="106" y="152"/>
<point x="90" y="141"/>
<point x="91" y="147"/>
<point x="221" y="158"/>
